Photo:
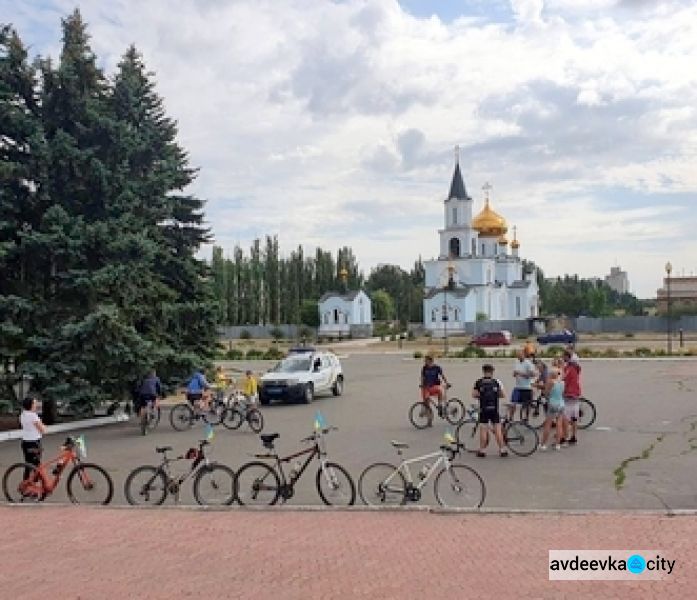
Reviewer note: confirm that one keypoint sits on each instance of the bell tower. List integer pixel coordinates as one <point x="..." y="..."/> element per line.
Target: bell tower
<point x="455" y="238"/>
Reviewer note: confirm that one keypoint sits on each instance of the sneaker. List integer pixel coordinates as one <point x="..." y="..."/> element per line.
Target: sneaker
<point x="557" y="447"/>
<point x="481" y="454"/>
<point x="543" y="447"/>
<point x="572" y="441"/>
<point x="503" y="453"/>
<point x="564" y="443"/>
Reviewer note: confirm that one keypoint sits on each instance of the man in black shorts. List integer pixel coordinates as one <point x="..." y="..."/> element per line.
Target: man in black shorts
<point x="489" y="391"/>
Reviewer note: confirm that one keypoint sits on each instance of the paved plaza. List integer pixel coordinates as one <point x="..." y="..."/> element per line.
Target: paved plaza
<point x="646" y="432"/>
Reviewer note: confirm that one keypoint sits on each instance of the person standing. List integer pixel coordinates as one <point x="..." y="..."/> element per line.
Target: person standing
<point x="572" y="394"/>
<point x="250" y="388"/>
<point x="33" y="430"/>
<point x="524" y="373"/>
<point x="489" y="391"/>
<point x="554" y="391"/>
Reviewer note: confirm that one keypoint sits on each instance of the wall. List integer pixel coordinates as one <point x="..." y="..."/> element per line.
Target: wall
<point x="631" y="324"/>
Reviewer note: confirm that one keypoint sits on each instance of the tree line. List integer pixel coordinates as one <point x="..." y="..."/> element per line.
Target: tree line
<point x="98" y="237"/>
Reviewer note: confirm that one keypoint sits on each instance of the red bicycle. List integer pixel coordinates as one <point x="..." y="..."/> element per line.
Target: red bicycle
<point x="87" y="483"/>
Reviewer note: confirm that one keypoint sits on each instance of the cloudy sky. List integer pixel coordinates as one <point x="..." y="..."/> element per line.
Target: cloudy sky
<point x="334" y="122"/>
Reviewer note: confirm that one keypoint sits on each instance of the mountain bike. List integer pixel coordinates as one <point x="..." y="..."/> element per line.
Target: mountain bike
<point x="455" y="485"/>
<point x="537" y="413"/>
<point x="258" y="483"/>
<point x="150" y="418"/>
<point x="450" y="409"/>
<point x="87" y="483"/>
<point x="240" y="410"/>
<point x="214" y="483"/>
<point x="184" y="415"/>
<point x="519" y="437"/>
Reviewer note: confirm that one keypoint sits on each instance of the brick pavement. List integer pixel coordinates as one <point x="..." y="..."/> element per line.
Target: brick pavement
<point x="174" y="553"/>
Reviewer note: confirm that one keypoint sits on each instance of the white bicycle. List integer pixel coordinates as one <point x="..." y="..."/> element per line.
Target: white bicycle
<point x="455" y="485"/>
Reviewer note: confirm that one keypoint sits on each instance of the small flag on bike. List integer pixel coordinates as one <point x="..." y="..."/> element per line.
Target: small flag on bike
<point x="210" y="434"/>
<point x="449" y="437"/>
<point x="82" y="447"/>
<point x="320" y="423"/>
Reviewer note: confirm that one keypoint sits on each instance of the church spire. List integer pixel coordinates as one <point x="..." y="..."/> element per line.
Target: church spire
<point x="457" y="186"/>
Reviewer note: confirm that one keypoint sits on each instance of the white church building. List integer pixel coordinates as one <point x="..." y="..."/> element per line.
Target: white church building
<point x="345" y="314"/>
<point x="477" y="271"/>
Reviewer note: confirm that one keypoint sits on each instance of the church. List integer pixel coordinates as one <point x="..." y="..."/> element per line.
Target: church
<point x="477" y="273"/>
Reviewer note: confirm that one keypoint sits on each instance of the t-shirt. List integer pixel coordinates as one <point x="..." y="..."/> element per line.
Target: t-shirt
<point x="572" y="381"/>
<point x="197" y="384"/>
<point x="150" y="387"/>
<point x="556" y="395"/>
<point x="250" y="386"/>
<point x="522" y="382"/>
<point x="489" y="392"/>
<point x="28" y="420"/>
<point x="430" y="375"/>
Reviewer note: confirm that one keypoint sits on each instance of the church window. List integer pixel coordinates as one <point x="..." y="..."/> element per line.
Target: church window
<point x="474" y="247"/>
<point x="326" y="318"/>
<point x="433" y="315"/>
<point x="336" y="315"/>
<point x="457" y="314"/>
<point x="454" y="247"/>
<point x="483" y="250"/>
<point x="454" y="215"/>
<point x="517" y="307"/>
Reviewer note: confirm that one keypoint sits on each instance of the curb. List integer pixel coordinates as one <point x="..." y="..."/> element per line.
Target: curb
<point x="16" y="434"/>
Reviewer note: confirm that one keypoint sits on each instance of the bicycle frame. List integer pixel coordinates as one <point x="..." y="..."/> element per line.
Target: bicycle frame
<point x="49" y="482"/>
<point x="312" y="452"/>
<point x="195" y="466"/>
<point x="441" y="460"/>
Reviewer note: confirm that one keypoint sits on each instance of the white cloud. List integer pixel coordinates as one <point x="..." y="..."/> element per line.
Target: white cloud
<point x="333" y="123"/>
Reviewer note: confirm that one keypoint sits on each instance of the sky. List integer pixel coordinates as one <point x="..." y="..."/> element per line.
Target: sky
<point x="334" y="123"/>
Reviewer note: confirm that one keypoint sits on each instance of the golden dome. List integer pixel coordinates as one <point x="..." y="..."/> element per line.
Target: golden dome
<point x="489" y="223"/>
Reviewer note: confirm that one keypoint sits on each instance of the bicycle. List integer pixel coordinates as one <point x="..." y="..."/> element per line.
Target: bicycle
<point x="455" y="485"/>
<point x="519" y="437"/>
<point x="35" y="484"/>
<point x="258" y="483"/>
<point x="450" y="409"/>
<point x="149" y="485"/>
<point x="239" y="411"/>
<point x="150" y="418"/>
<point x="184" y="415"/>
<point x="538" y="412"/>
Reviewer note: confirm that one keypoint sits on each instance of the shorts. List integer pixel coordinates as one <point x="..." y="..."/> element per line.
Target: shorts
<point x="555" y="411"/>
<point x="521" y="396"/>
<point x="489" y="416"/>
<point x="571" y="408"/>
<point x="143" y="401"/>
<point x="430" y="391"/>
<point x="193" y="398"/>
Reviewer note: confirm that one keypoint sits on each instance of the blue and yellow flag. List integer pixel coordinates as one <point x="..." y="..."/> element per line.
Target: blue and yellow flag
<point x="210" y="434"/>
<point x="320" y="423"/>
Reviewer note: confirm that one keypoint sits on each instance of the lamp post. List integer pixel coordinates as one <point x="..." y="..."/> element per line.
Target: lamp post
<point x="669" y="324"/>
<point x="450" y="284"/>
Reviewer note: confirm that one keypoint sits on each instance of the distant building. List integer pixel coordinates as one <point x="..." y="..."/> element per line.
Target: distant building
<point x="683" y="294"/>
<point x="618" y="280"/>
<point x="347" y="314"/>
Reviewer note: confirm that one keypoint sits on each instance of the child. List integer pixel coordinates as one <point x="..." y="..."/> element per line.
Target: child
<point x="250" y="388"/>
<point x="32" y="430"/>
<point x="489" y="390"/>
<point x="554" y="391"/>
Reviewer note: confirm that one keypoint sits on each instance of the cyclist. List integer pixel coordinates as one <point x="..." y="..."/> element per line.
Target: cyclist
<point x="572" y="393"/>
<point x="32" y="431"/>
<point x="149" y="392"/>
<point x="250" y="388"/>
<point x="432" y="377"/>
<point x="524" y="373"/>
<point x="197" y="390"/>
<point x="489" y="391"/>
<point x="554" y="390"/>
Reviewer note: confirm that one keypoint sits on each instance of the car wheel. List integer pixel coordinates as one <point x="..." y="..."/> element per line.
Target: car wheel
<point x="338" y="387"/>
<point x="309" y="394"/>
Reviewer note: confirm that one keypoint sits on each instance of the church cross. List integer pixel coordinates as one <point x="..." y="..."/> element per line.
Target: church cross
<point x="486" y="187"/>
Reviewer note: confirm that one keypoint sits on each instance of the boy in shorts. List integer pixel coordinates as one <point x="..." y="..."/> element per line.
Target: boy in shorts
<point x="489" y="391"/>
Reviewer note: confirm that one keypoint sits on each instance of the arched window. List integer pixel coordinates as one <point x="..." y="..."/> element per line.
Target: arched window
<point x="336" y="315"/>
<point x="483" y="250"/>
<point x="457" y="314"/>
<point x="454" y="247"/>
<point x="454" y="215"/>
<point x="433" y="315"/>
<point x="517" y="306"/>
<point x="474" y="247"/>
<point x="326" y="318"/>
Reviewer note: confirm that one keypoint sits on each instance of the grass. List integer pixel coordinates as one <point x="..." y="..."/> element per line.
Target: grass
<point x="620" y="472"/>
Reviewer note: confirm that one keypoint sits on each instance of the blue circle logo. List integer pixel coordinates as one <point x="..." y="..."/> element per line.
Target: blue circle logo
<point x="636" y="564"/>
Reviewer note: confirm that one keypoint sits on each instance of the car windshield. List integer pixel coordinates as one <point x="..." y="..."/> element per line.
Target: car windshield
<point x="292" y="364"/>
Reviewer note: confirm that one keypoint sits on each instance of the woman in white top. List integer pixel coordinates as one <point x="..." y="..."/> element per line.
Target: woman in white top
<point x="32" y="430"/>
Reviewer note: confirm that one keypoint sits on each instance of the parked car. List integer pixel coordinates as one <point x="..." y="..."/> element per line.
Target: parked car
<point x="558" y="337"/>
<point x="301" y="376"/>
<point x="492" y="338"/>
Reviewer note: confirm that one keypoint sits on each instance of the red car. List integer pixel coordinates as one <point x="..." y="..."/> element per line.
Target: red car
<point x="492" y="338"/>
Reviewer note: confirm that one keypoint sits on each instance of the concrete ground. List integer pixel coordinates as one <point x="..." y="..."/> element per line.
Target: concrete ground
<point x="69" y="552"/>
<point x="639" y="455"/>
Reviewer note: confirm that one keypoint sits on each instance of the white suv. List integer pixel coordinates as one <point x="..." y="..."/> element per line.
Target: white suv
<point x="302" y="375"/>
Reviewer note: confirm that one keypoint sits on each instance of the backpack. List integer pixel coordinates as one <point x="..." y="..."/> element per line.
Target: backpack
<point x="489" y="390"/>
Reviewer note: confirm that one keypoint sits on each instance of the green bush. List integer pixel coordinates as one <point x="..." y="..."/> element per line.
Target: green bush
<point x="273" y="353"/>
<point x="245" y="335"/>
<point x="276" y="333"/>
<point x="470" y="352"/>
<point x="611" y="353"/>
<point x="393" y="338"/>
<point x="629" y="334"/>
<point x="254" y="354"/>
<point x="418" y="354"/>
<point x="410" y="335"/>
<point x="643" y="351"/>
<point x="234" y="354"/>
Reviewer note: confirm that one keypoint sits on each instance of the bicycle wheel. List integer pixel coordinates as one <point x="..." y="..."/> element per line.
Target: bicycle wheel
<point x="214" y="414"/>
<point x="335" y="486"/>
<point x="154" y="418"/>
<point x="89" y="484"/>
<point x="421" y="415"/>
<point x="454" y="411"/>
<point x="537" y="413"/>
<point x="459" y="486"/>
<point x="232" y="418"/>
<point x="215" y="485"/>
<point x="586" y="413"/>
<point x="466" y="434"/>
<point x="257" y="484"/>
<point x="382" y="484"/>
<point x="145" y="486"/>
<point x="19" y="488"/>
<point x="255" y="420"/>
<point x="144" y="423"/>
<point x="520" y="438"/>
<point x="181" y="417"/>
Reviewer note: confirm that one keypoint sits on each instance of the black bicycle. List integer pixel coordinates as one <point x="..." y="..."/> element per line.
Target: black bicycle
<point x="258" y="483"/>
<point x="450" y="409"/>
<point x="214" y="484"/>
<point x="536" y="412"/>
<point x="238" y="411"/>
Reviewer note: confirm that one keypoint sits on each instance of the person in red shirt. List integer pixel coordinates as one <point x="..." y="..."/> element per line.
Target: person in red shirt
<point x="572" y="393"/>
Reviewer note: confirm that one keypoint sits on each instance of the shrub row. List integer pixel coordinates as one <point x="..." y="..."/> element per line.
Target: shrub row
<point x="272" y="353"/>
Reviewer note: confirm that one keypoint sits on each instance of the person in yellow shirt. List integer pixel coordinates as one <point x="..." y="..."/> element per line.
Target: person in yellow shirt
<point x="250" y="387"/>
<point x="221" y="378"/>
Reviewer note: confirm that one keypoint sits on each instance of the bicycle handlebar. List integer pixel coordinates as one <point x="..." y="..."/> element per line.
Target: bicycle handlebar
<point x="313" y="437"/>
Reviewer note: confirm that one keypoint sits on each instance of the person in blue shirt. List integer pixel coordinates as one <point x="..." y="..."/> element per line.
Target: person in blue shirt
<point x="197" y="390"/>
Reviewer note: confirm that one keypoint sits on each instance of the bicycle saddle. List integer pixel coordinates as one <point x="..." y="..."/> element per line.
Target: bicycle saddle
<point x="163" y="448"/>
<point x="203" y="442"/>
<point x="397" y="444"/>
<point x="268" y="438"/>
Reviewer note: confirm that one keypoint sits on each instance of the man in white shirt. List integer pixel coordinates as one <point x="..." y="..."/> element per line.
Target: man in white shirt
<point x="524" y="373"/>
<point x="32" y="431"/>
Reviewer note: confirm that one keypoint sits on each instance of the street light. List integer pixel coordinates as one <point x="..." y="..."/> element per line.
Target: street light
<point x="669" y="325"/>
<point x="450" y="284"/>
